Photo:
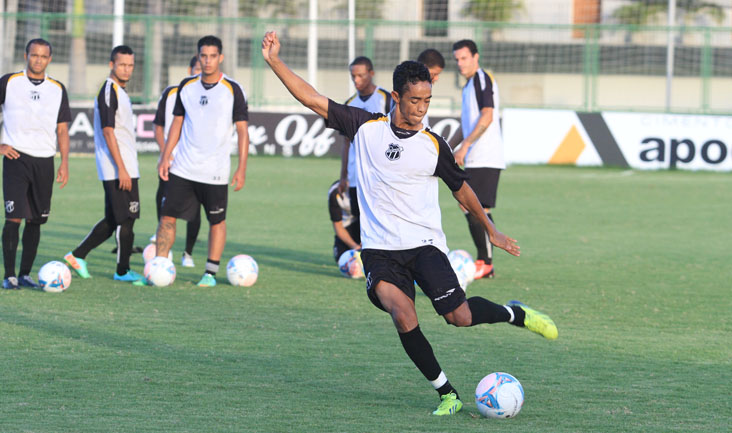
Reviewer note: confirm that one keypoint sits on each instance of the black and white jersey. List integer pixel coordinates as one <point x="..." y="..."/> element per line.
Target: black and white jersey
<point x="205" y="144"/>
<point x="113" y="109"/>
<point x="378" y="102"/>
<point x="397" y="174"/>
<point x="32" y="110"/>
<point x="481" y="91"/>
<point x="164" y="113"/>
<point x="339" y="206"/>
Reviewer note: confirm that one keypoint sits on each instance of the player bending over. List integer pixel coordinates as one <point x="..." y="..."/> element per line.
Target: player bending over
<point x="398" y="163"/>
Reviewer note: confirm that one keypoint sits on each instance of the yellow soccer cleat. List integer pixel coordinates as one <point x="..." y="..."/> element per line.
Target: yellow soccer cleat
<point x="450" y="405"/>
<point x="536" y="321"/>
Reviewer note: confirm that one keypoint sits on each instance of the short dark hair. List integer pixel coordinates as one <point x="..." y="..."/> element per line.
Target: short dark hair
<point x="431" y="58"/>
<point x="466" y="43"/>
<point x="362" y="60"/>
<point x="210" y="41"/>
<point x="192" y="63"/>
<point x="409" y="72"/>
<point x="120" y="49"/>
<point x="38" y="41"/>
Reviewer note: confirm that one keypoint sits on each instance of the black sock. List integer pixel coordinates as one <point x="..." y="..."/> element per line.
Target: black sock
<point x="480" y="237"/>
<point x="518" y="316"/>
<point x="31" y="238"/>
<point x="192" y="229"/>
<point x="420" y="352"/>
<point x="125" y="238"/>
<point x="159" y="196"/>
<point x="485" y="311"/>
<point x="11" y="232"/>
<point x="98" y="234"/>
<point x="212" y="266"/>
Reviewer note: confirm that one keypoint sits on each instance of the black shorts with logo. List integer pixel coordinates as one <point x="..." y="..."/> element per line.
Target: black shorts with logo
<point x="120" y="205"/>
<point x="27" y="187"/>
<point x="427" y="265"/>
<point x="484" y="181"/>
<point x="182" y="199"/>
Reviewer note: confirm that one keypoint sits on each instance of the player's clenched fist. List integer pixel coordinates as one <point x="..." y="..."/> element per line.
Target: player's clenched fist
<point x="270" y="46"/>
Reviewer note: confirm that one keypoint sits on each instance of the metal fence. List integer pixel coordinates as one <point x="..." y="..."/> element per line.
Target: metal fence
<point x="589" y="67"/>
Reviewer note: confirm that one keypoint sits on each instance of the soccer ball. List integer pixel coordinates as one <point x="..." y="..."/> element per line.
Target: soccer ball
<point x="149" y="253"/>
<point x="160" y="271"/>
<point x="350" y="264"/>
<point x="499" y="395"/>
<point x="54" y="277"/>
<point x="463" y="265"/>
<point x="242" y="270"/>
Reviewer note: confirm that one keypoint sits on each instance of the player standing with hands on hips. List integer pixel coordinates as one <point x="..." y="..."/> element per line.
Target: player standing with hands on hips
<point x="398" y="163"/>
<point x="208" y="108"/>
<point x="36" y="116"/>
<point x="481" y="151"/>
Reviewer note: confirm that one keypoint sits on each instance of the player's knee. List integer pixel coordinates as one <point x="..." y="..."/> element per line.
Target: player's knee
<point x="460" y="320"/>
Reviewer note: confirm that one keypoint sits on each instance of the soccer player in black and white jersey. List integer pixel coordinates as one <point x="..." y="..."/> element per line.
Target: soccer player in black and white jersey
<point x="208" y="108"/>
<point x="36" y="116"/>
<point x="481" y="151"/>
<point x="346" y="232"/>
<point x="371" y="98"/>
<point x="398" y="166"/>
<point x="117" y="168"/>
<point x="163" y="120"/>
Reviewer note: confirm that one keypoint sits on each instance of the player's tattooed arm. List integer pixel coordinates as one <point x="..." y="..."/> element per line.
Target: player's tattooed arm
<point x="486" y="118"/>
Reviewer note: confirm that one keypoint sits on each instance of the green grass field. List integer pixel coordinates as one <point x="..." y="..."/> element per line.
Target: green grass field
<point x="632" y="266"/>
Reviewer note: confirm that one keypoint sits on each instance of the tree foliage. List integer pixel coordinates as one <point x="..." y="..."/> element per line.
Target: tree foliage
<point x="644" y="11"/>
<point x="492" y="10"/>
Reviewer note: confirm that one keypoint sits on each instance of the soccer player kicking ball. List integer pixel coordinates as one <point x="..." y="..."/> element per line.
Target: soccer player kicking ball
<point x="398" y="163"/>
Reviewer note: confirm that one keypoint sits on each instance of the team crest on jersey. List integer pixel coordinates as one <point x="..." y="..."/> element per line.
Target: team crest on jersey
<point x="35" y="95"/>
<point x="9" y="206"/>
<point x="394" y="152"/>
<point x="204" y="100"/>
<point x="134" y="206"/>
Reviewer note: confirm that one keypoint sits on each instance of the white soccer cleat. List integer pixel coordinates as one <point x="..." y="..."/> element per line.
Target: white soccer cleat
<point x="187" y="260"/>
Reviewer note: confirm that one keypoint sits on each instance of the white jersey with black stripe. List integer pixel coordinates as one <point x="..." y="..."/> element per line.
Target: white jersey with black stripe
<point x="398" y="173"/>
<point x="481" y="91"/>
<point x="206" y="141"/>
<point x="32" y="112"/>
<point x="113" y="109"/>
<point x="378" y="102"/>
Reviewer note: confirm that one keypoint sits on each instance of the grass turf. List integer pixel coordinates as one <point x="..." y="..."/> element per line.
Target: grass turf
<point x="631" y="265"/>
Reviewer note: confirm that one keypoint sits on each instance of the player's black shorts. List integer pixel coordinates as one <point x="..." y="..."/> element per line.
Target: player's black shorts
<point x="484" y="181"/>
<point x="27" y="187"/>
<point x="119" y="205"/>
<point x="427" y="265"/>
<point x="182" y="199"/>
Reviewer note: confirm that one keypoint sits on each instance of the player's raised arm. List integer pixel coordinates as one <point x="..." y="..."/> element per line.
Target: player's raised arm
<point x="299" y="88"/>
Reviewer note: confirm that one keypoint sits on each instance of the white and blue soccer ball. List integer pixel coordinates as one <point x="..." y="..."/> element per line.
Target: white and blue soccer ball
<point x="242" y="270"/>
<point x="160" y="271"/>
<point x="350" y="264"/>
<point x="54" y="277"/>
<point x="463" y="265"/>
<point x="499" y="395"/>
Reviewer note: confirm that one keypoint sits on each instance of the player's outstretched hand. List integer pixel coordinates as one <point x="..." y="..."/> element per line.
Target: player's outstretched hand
<point x="505" y="243"/>
<point x="270" y="46"/>
<point x="9" y="151"/>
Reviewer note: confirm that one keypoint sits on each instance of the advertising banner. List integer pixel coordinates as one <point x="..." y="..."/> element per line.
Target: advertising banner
<point x="284" y="134"/>
<point x="635" y="140"/>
